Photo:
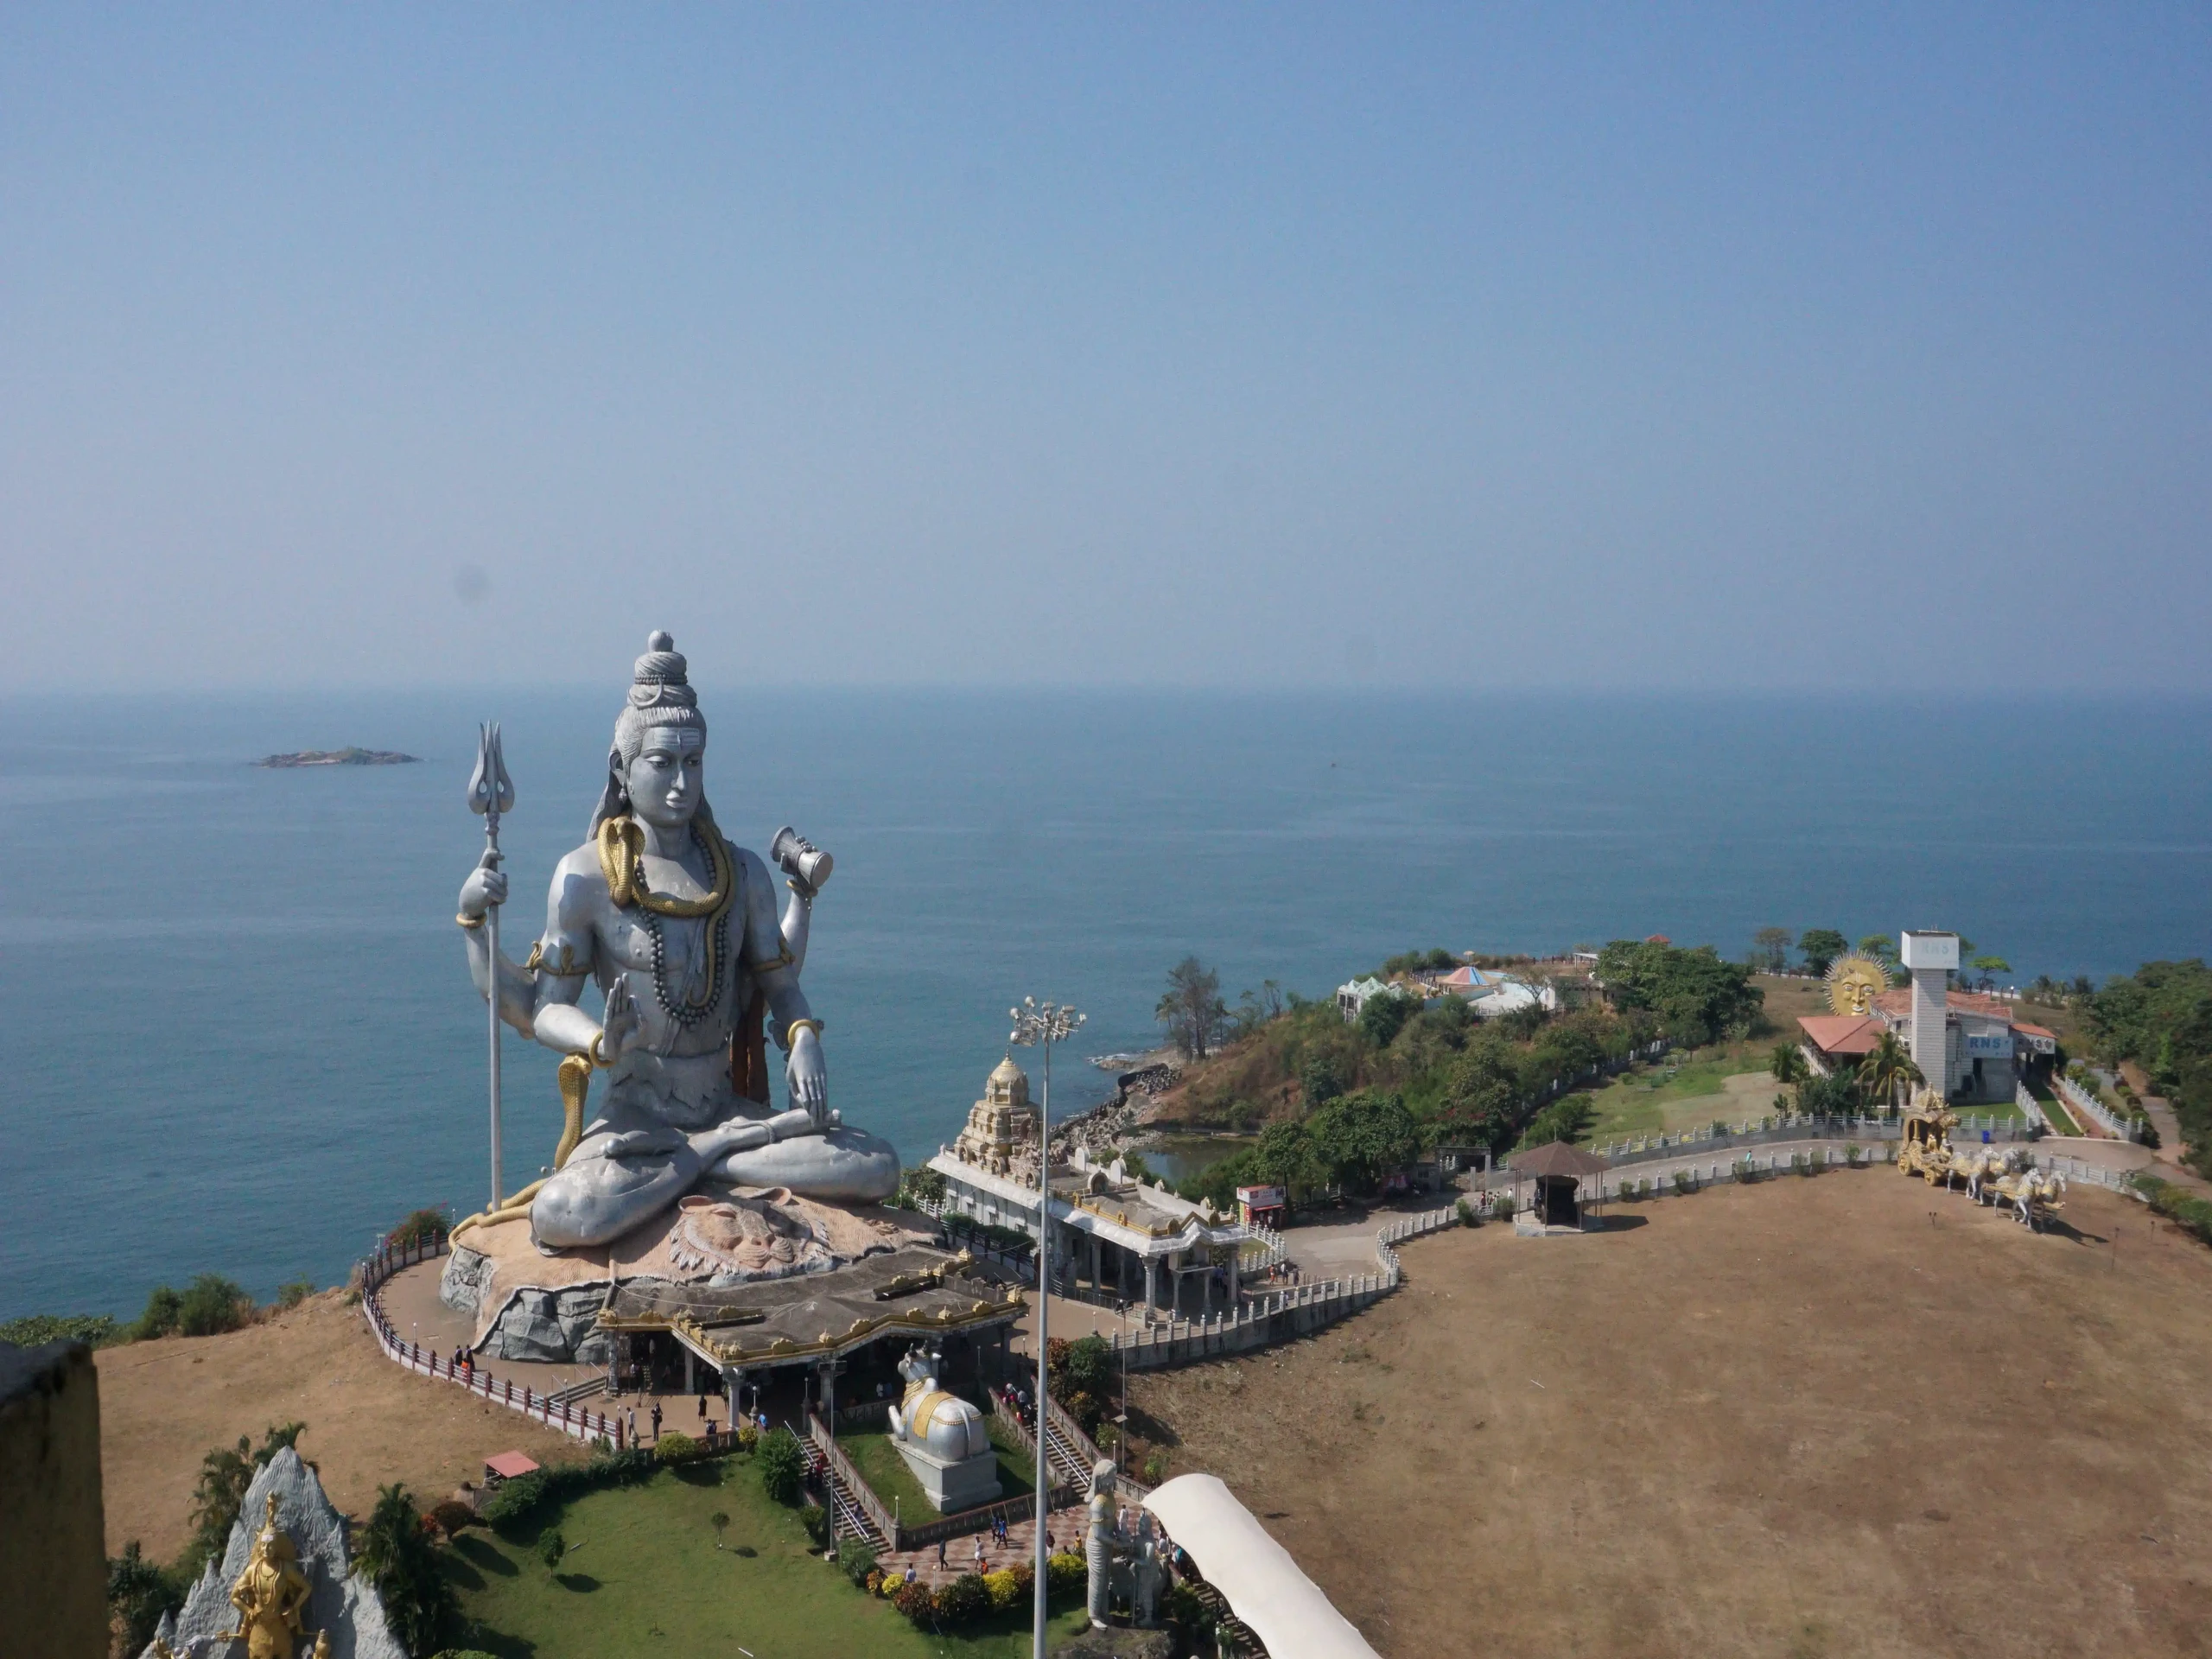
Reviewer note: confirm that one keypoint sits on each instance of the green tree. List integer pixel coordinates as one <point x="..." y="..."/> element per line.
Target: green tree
<point x="421" y="1227"/>
<point x="1820" y="946"/>
<point x="1771" y="947"/>
<point x="551" y="1546"/>
<point x="138" y="1593"/>
<point x="396" y="1555"/>
<point x="1989" y="967"/>
<point x="1788" y="1064"/>
<point x="1284" y="1156"/>
<point x="1192" y="1008"/>
<point x="1888" y="1070"/>
<point x="1834" y="1095"/>
<point x="782" y="1467"/>
<point x="2160" y="1017"/>
<point x="1482" y="1096"/>
<point x="1364" y="1137"/>
<point x="1321" y="1079"/>
<point x="1880" y="946"/>
<point x="212" y="1304"/>
<point x="1385" y="1016"/>
<point x="1696" y="996"/>
<point x="225" y="1474"/>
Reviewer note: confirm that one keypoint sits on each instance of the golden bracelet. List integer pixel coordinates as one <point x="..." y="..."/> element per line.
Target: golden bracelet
<point x="790" y="1035"/>
<point x="472" y="923"/>
<point x="596" y="1055"/>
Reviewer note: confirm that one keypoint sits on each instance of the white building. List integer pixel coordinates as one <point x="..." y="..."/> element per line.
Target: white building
<point x="1354" y="995"/>
<point x="1123" y="1237"/>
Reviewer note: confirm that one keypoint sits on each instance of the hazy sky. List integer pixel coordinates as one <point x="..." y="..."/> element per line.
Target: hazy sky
<point x="1257" y="345"/>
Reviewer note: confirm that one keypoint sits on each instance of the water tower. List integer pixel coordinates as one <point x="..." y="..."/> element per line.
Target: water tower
<point x="1931" y="958"/>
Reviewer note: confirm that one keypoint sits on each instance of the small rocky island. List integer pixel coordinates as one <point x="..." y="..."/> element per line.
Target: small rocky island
<point x="344" y="757"/>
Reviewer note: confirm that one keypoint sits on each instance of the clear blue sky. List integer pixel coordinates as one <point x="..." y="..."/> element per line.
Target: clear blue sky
<point x="1830" y="346"/>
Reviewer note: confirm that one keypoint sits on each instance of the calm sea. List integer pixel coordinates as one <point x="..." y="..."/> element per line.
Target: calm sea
<point x="239" y="1034"/>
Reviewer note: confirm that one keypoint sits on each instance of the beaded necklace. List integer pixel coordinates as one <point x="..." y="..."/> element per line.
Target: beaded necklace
<point x="622" y="858"/>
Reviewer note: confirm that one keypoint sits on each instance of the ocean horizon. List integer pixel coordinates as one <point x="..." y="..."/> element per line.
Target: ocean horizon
<point x="245" y="1041"/>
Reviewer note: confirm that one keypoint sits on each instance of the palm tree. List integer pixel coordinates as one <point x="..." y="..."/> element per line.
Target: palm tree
<point x="1788" y="1064"/>
<point x="1887" y="1068"/>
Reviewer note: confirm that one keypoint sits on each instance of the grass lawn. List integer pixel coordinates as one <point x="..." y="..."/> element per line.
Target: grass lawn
<point x="644" y="1576"/>
<point x="2062" y="1121"/>
<point x="882" y="1466"/>
<point x="1681" y="1092"/>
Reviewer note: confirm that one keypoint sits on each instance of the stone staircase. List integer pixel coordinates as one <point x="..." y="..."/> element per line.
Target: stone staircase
<point x="849" y="1518"/>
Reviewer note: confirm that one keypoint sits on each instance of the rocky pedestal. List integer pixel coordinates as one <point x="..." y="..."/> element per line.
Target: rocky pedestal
<point x="533" y="1306"/>
<point x="346" y="1606"/>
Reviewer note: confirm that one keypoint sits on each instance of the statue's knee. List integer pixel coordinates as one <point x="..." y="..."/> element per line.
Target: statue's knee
<point x="560" y="1216"/>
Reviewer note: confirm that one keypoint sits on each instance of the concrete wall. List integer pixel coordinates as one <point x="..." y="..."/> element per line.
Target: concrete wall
<point x="53" y="1535"/>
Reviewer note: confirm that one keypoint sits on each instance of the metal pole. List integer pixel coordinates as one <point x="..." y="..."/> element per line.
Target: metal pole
<point x="1044" y="1293"/>
<point x="1034" y="1024"/>
<point x="490" y="792"/>
<point x="492" y="938"/>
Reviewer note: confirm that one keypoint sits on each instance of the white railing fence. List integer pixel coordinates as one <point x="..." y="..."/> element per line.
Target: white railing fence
<point x="2080" y="1100"/>
<point x="563" y="1416"/>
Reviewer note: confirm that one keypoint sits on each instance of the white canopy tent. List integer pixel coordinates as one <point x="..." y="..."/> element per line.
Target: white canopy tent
<point x="1255" y="1575"/>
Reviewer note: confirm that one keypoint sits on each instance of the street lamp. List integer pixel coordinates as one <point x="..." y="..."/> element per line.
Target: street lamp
<point x="1035" y="1025"/>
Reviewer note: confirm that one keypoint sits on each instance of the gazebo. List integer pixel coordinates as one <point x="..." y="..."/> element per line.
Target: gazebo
<point x="1558" y="1170"/>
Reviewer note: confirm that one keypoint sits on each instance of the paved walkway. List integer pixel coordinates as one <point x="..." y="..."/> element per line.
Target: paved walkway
<point x="1065" y="1526"/>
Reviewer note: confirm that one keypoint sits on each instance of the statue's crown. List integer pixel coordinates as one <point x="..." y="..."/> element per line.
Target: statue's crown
<point x="661" y="676"/>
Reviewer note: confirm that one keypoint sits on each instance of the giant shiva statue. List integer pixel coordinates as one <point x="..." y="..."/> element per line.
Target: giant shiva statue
<point x="678" y="929"/>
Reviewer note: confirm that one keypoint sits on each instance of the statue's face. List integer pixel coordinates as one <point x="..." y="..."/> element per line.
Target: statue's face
<point x="668" y="779"/>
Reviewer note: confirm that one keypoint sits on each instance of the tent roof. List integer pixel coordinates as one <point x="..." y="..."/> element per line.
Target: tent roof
<point x="1256" y="1575"/>
<point x="1558" y="1159"/>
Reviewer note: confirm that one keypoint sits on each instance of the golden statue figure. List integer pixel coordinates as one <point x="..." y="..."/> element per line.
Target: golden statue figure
<point x="270" y="1594"/>
<point x="1854" y="984"/>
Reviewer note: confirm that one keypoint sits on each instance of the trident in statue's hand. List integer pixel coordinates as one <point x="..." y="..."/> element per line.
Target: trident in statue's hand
<point x="490" y="792"/>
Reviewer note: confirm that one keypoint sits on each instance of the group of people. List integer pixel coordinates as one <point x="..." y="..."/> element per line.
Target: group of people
<point x="1021" y="1401"/>
<point x="1000" y="1539"/>
<point x="709" y="1429"/>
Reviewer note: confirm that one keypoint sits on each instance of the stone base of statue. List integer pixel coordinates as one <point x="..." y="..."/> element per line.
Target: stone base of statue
<point x="533" y="1306"/>
<point x="341" y="1616"/>
<point x="953" y="1485"/>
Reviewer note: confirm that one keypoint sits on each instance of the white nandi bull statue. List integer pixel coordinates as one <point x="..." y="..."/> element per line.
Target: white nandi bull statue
<point x="941" y="1424"/>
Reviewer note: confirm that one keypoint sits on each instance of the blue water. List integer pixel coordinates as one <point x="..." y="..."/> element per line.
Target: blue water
<point x="239" y="1034"/>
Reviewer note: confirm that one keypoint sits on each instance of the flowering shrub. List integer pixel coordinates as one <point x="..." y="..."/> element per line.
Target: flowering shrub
<point x="675" y="1447"/>
<point x="1010" y="1586"/>
<point x="963" y="1601"/>
<point x="1066" y="1575"/>
<point x="912" y="1597"/>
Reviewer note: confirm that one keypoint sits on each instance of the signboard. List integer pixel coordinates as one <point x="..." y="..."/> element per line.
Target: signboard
<point x="1259" y="1197"/>
<point x="1929" y="950"/>
<point x="2000" y="1043"/>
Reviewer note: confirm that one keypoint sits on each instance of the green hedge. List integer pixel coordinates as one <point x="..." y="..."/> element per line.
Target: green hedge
<point x="2191" y="1214"/>
<point x="514" y="1501"/>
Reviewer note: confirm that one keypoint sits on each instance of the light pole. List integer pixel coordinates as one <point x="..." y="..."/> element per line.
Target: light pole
<point x="1037" y="1024"/>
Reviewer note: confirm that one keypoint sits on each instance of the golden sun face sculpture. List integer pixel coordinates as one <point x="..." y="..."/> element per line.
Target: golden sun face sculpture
<point x="1854" y="984"/>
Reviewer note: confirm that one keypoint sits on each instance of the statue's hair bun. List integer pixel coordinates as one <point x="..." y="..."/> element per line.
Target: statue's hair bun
<point x="660" y="678"/>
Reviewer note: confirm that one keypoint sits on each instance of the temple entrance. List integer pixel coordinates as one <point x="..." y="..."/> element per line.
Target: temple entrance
<point x="1558" y="1201"/>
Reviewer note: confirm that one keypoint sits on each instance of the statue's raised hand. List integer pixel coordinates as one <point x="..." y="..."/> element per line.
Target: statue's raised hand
<point x="486" y="886"/>
<point x="625" y="1020"/>
<point x="808" y="1075"/>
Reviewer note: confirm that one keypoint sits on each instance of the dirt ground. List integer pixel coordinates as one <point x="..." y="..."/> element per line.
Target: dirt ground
<point x="164" y="1405"/>
<point x="1799" y="1418"/>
